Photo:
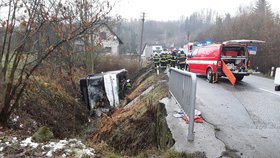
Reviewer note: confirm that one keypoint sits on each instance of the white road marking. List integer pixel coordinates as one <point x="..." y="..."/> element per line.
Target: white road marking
<point x="269" y="91"/>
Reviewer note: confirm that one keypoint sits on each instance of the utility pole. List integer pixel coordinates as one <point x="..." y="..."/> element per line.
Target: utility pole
<point x="141" y="41"/>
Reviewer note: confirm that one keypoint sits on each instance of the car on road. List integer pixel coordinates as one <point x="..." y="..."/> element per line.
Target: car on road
<point x="277" y="79"/>
<point x="212" y="60"/>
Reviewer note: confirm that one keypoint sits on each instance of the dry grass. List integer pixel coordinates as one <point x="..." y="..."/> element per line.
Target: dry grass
<point x="133" y="130"/>
<point x="140" y="85"/>
<point x="48" y="103"/>
<point x="173" y="154"/>
<point x="110" y="63"/>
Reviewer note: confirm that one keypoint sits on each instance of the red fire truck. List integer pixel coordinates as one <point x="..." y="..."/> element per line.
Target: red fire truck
<point x="231" y="59"/>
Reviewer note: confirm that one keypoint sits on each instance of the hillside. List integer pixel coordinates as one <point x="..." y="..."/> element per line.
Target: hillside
<point x="138" y="128"/>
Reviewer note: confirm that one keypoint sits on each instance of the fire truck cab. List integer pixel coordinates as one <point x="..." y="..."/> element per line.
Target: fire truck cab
<point x="212" y="60"/>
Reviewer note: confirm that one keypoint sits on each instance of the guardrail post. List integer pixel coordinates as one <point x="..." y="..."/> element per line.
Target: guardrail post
<point x="192" y="108"/>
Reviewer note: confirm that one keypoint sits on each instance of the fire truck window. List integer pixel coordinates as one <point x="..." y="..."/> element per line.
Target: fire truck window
<point x="242" y="51"/>
<point x="194" y="52"/>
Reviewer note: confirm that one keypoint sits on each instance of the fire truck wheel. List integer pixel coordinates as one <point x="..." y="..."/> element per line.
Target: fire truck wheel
<point x="277" y="88"/>
<point x="209" y="75"/>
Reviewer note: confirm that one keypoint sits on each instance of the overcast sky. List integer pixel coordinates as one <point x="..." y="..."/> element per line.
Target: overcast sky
<point x="165" y="10"/>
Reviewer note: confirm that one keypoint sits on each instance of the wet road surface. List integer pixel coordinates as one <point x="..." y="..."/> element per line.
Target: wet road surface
<point x="247" y="116"/>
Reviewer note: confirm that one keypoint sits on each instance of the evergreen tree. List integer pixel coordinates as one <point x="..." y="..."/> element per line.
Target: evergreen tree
<point x="262" y="7"/>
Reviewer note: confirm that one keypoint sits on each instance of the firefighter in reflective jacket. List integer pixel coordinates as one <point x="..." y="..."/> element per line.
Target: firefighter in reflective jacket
<point x="156" y="59"/>
<point x="128" y="84"/>
<point x="173" y="58"/>
<point x="182" y="60"/>
<point x="163" y="60"/>
<point x="169" y="58"/>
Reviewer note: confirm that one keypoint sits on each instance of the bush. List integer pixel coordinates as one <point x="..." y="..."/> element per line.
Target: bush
<point x="43" y="134"/>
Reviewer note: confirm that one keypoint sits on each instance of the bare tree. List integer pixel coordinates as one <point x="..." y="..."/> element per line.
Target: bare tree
<point x="33" y="30"/>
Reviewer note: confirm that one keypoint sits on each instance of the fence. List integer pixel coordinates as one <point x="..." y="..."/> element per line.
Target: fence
<point x="182" y="86"/>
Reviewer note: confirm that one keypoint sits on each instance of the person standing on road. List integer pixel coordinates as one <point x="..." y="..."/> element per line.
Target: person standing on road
<point x="163" y="60"/>
<point x="156" y="59"/>
<point x="173" y="58"/>
<point x="169" y="58"/>
<point x="182" y="60"/>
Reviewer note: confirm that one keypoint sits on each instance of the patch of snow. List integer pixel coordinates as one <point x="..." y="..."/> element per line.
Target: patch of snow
<point x="65" y="147"/>
<point x="72" y="140"/>
<point x="54" y="146"/>
<point x="21" y="125"/>
<point x="14" y="140"/>
<point x="28" y="142"/>
<point x="89" y="151"/>
<point x="25" y="142"/>
<point x="63" y="141"/>
<point x="8" y="143"/>
<point x="15" y="119"/>
<point x="82" y="152"/>
<point x="1" y="149"/>
<point x="68" y="151"/>
<point x="72" y="145"/>
<point x="49" y="153"/>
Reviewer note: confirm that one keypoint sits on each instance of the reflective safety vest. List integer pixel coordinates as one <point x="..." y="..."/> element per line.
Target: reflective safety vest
<point x="156" y="59"/>
<point x="173" y="58"/>
<point x="182" y="58"/>
<point x="163" y="58"/>
<point x="169" y="57"/>
<point x="128" y="85"/>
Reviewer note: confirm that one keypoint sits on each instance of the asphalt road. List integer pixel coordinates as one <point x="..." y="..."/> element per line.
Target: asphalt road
<point x="247" y="116"/>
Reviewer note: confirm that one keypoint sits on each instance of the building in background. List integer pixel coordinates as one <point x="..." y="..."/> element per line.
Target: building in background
<point x="102" y="37"/>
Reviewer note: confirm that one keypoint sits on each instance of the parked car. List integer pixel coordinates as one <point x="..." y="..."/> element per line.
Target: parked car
<point x="277" y="79"/>
<point x="212" y="60"/>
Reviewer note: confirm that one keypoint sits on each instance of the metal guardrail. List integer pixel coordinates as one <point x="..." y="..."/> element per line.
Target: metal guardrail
<point x="182" y="86"/>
